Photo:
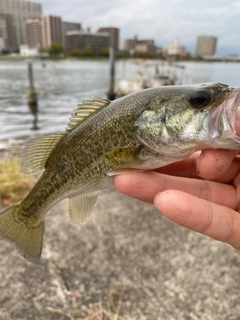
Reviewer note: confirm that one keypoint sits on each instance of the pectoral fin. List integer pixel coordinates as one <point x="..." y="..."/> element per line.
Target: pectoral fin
<point x="81" y="207"/>
<point x="36" y="153"/>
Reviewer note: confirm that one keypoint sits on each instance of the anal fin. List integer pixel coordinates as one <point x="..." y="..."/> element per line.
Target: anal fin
<point x="81" y="207"/>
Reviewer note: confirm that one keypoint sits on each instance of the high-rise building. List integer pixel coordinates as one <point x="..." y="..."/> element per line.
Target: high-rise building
<point x="114" y="35"/>
<point x="206" y="45"/>
<point x="37" y="29"/>
<point x="20" y="10"/>
<point x="33" y="32"/>
<point x="7" y="39"/>
<point x="52" y="30"/>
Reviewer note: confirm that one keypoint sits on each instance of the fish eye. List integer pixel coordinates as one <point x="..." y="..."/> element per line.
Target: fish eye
<point x="200" y="99"/>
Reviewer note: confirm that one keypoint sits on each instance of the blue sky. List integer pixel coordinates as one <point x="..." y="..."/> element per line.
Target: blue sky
<point x="161" y="20"/>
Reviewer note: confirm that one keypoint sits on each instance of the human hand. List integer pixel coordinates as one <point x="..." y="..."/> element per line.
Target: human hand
<point x="201" y="193"/>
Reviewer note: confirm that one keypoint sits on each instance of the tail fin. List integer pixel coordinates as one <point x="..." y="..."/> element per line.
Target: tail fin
<point x="25" y="233"/>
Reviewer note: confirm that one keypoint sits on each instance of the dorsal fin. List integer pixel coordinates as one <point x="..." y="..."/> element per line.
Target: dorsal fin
<point x="36" y="153"/>
<point x="86" y="110"/>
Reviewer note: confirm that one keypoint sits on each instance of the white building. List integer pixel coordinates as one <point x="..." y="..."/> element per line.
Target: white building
<point x="27" y="51"/>
<point x="174" y="48"/>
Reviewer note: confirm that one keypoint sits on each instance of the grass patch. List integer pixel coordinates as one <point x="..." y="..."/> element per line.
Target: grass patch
<point x="113" y="309"/>
<point x="14" y="186"/>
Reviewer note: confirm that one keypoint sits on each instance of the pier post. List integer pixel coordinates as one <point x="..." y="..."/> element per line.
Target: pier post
<point x="32" y="97"/>
<point x="111" y="92"/>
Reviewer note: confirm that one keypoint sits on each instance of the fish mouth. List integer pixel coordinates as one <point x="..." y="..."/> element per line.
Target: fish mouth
<point x="225" y="119"/>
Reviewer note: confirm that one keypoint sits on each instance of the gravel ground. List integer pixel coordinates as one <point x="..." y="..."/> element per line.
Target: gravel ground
<point x="166" y="271"/>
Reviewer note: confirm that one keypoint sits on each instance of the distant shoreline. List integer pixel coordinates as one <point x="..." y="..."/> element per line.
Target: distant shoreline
<point x="213" y="59"/>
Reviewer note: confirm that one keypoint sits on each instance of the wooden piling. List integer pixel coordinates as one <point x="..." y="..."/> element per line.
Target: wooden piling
<point x="32" y="97"/>
<point x="111" y="91"/>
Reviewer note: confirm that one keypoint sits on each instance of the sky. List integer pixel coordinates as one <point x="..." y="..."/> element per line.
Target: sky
<point x="160" y="20"/>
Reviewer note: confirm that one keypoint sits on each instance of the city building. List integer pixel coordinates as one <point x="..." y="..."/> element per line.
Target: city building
<point x="79" y="40"/>
<point x="174" y="49"/>
<point x="132" y="45"/>
<point x="20" y="11"/>
<point x="206" y="45"/>
<point x="33" y="33"/>
<point x="52" y="30"/>
<point x="7" y="39"/>
<point x="70" y="26"/>
<point x="114" y="35"/>
<point x="145" y="48"/>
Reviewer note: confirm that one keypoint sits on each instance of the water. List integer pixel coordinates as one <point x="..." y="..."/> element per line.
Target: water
<point x="61" y="85"/>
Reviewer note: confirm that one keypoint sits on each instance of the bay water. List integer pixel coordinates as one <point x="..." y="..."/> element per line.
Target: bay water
<point x="61" y="85"/>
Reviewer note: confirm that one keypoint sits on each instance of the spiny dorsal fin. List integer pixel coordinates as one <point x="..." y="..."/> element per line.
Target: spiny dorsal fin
<point x="86" y="110"/>
<point x="36" y="153"/>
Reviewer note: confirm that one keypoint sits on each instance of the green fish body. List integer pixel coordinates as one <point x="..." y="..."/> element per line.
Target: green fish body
<point x="142" y="131"/>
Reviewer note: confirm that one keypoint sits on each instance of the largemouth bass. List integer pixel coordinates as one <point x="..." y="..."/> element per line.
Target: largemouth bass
<point x="142" y="131"/>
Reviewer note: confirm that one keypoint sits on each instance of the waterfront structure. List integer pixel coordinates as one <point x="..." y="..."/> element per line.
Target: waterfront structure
<point x="114" y="35"/>
<point x="79" y="40"/>
<point x="136" y="45"/>
<point x="206" y="45"/>
<point x="12" y="29"/>
<point x="174" y="49"/>
<point x="52" y="30"/>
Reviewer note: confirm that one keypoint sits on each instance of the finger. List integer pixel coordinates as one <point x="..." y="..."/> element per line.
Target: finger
<point x="237" y="122"/>
<point x="145" y="185"/>
<point x="194" y="165"/>
<point x="212" y="164"/>
<point x="184" y="168"/>
<point x="231" y="173"/>
<point x="213" y="220"/>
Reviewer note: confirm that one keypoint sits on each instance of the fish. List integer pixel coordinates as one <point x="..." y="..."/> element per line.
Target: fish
<point x="141" y="131"/>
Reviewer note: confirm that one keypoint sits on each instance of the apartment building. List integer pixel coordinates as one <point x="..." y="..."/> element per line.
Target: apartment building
<point x="20" y="11"/>
<point x="33" y="33"/>
<point x="80" y="39"/>
<point x="48" y="28"/>
<point x="52" y="30"/>
<point x="7" y="39"/>
<point x="114" y="35"/>
<point x="206" y="45"/>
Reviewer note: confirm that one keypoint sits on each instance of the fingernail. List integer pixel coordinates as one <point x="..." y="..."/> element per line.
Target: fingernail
<point x="156" y="199"/>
